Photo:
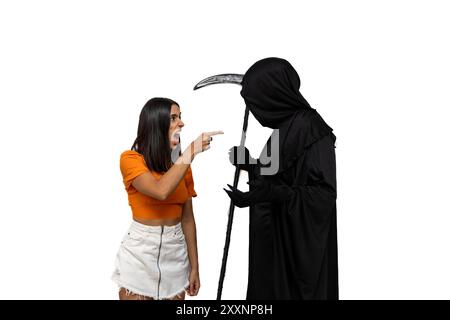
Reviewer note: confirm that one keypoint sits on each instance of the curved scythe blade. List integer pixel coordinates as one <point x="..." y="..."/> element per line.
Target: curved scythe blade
<point x="220" y="78"/>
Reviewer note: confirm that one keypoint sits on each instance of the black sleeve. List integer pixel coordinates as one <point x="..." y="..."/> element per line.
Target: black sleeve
<point x="317" y="197"/>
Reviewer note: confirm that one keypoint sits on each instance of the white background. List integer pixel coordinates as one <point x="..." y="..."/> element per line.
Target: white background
<point x="74" y="76"/>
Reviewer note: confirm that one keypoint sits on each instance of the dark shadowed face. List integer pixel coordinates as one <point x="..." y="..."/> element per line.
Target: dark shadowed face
<point x="175" y="126"/>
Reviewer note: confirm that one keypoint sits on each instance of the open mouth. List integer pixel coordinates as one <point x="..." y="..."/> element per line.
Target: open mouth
<point x="176" y="137"/>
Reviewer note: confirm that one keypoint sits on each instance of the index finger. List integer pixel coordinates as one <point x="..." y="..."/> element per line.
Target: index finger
<point x="213" y="133"/>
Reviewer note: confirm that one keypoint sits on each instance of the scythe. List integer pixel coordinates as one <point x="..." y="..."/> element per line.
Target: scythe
<point x="236" y="79"/>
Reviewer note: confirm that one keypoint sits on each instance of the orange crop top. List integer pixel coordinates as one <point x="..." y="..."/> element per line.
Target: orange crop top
<point x="132" y="164"/>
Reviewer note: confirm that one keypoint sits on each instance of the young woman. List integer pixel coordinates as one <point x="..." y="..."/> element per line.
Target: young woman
<point x="157" y="258"/>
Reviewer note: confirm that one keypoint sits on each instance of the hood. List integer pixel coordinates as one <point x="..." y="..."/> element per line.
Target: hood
<point x="270" y="89"/>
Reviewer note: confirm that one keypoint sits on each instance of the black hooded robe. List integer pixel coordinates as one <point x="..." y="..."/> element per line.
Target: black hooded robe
<point x="293" y="243"/>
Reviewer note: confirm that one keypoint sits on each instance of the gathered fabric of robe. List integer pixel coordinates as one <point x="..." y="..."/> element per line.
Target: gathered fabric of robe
<point x="292" y="243"/>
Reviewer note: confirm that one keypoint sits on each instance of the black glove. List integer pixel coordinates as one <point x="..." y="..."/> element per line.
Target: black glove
<point x="240" y="157"/>
<point x="261" y="190"/>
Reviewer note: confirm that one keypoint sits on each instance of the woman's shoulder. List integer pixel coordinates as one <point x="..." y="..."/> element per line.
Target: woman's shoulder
<point x="131" y="158"/>
<point x="132" y="161"/>
<point x="131" y="153"/>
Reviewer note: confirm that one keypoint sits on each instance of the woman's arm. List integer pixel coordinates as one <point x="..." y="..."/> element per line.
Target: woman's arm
<point x="160" y="189"/>
<point x="190" y="233"/>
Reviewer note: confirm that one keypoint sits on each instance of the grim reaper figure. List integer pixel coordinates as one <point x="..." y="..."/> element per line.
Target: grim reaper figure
<point x="293" y="233"/>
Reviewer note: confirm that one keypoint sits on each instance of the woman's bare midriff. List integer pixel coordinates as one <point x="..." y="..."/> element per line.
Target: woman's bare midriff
<point x="158" y="222"/>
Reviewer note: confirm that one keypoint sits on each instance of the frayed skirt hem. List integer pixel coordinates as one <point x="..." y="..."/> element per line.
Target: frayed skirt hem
<point x="131" y="290"/>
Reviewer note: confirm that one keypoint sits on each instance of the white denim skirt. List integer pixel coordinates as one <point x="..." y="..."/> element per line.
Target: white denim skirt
<point x="152" y="261"/>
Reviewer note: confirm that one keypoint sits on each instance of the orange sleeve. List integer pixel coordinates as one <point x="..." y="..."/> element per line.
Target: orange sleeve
<point x="132" y="165"/>
<point x="188" y="178"/>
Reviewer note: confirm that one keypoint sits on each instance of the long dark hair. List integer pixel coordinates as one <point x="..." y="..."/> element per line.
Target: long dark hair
<point x="152" y="139"/>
